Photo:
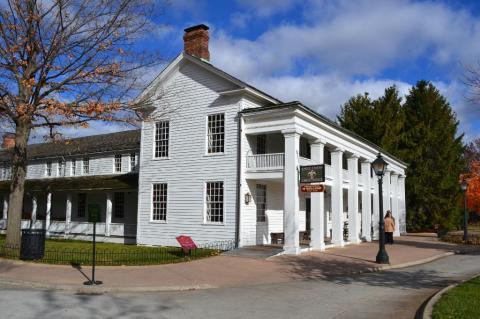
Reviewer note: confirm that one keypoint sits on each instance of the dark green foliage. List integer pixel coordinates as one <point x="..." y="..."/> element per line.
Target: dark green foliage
<point x="422" y="132"/>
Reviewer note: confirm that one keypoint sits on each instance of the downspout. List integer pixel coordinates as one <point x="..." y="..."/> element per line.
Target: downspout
<point x="239" y="174"/>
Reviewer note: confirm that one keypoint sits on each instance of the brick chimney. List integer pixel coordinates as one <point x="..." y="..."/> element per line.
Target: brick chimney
<point x="8" y="141"/>
<point x="195" y="41"/>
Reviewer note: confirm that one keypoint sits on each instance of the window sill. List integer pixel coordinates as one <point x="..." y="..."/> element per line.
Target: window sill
<point x="214" y="154"/>
<point x="213" y="224"/>
<point x="160" y="158"/>
<point x="158" y="222"/>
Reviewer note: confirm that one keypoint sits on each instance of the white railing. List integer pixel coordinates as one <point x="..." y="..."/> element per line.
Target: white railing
<point x="123" y="230"/>
<point x="274" y="160"/>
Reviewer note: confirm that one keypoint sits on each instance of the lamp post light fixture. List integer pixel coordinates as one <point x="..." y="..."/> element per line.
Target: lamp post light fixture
<point x="464" y="187"/>
<point x="379" y="166"/>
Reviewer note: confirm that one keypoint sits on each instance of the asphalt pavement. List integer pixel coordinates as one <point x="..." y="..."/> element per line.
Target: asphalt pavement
<point x="386" y="294"/>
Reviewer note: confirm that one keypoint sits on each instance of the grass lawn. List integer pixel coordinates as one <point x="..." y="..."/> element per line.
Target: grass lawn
<point x="461" y="302"/>
<point x="60" y="251"/>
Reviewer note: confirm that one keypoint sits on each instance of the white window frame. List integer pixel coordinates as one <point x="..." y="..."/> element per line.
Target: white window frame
<point x="86" y="160"/>
<point x="61" y="164"/>
<point x="205" y="204"/>
<point x="207" y="153"/>
<point x="73" y="167"/>
<point x="155" y="140"/>
<point x="48" y="169"/>
<point x="115" y="157"/>
<point x="159" y="221"/>
<point x="133" y="156"/>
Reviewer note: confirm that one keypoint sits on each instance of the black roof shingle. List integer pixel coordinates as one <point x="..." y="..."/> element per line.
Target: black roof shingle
<point x="126" y="140"/>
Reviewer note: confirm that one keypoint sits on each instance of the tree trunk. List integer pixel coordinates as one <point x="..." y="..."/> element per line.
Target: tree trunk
<point x="17" y="186"/>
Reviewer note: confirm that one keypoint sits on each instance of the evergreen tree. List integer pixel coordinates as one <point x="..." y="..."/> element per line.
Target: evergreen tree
<point x="423" y="133"/>
<point x="358" y="116"/>
<point x="379" y="121"/>
<point x="431" y="146"/>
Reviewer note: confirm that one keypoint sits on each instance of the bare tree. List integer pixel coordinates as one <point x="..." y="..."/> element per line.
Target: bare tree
<point x="66" y="63"/>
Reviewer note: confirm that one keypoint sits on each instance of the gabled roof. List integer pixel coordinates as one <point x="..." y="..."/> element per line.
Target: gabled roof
<point x="208" y="66"/>
<point x="126" y="140"/>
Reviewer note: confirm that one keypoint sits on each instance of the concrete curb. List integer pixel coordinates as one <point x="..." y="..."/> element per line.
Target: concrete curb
<point x="100" y="289"/>
<point x="428" y="310"/>
<point x="103" y="289"/>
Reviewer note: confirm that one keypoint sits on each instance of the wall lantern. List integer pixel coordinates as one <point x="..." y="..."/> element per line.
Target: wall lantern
<point x="248" y="198"/>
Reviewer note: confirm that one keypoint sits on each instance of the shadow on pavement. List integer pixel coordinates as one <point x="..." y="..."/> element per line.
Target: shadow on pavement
<point x="339" y="271"/>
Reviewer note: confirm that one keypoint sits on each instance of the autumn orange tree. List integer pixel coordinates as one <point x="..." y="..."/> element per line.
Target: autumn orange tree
<point x="66" y="63"/>
<point x="472" y="154"/>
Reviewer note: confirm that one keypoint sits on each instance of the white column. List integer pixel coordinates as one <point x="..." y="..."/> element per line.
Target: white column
<point x="337" y="198"/>
<point x="402" y="207"/>
<point x="386" y="192"/>
<point x="353" y="223"/>
<point x="317" y="231"/>
<point x="34" y="210"/>
<point x="395" y="204"/>
<point x="5" y="206"/>
<point x="366" y="202"/>
<point x="376" y="206"/>
<point x="68" y="213"/>
<point x="108" y="214"/>
<point x="48" y="212"/>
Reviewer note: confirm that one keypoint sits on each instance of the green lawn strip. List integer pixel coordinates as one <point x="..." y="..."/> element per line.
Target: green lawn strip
<point x="60" y="251"/>
<point x="461" y="302"/>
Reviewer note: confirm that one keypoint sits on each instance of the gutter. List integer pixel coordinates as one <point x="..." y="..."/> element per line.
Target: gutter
<point x="239" y="167"/>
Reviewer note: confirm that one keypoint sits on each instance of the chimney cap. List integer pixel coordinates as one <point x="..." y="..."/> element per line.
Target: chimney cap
<point x="197" y="27"/>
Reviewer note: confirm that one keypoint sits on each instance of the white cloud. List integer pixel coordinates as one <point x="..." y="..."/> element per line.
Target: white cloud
<point x="358" y="37"/>
<point x="266" y="8"/>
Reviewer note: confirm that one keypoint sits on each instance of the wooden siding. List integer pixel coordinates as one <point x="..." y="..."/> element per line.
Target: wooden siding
<point x="192" y="94"/>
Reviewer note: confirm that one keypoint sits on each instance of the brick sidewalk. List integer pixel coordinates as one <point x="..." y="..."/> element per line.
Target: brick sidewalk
<point x="226" y="271"/>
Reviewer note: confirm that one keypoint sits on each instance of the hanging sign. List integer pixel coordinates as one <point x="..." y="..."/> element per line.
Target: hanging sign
<point x="317" y="188"/>
<point x="312" y="174"/>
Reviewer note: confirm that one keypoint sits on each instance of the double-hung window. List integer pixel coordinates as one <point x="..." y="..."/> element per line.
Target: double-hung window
<point x="118" y="205"/>
<point x="214" y="202"/>
<point x="216" y="133"/>
<point x="81" y="204"/>
<point x="74" y="167"/>
<point x="118" y="163"/>
<point x="48" y="170"/>
<point x="61" y="168"/>
<point x="133" y="162"/>
<point x="86" y="165"/>
<point x="162" y="132"/>
<point x="159" y="202"/>
<point x="261" y="201"/>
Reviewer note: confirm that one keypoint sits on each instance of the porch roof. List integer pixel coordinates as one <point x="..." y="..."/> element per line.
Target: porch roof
<point x="98" y="182"/>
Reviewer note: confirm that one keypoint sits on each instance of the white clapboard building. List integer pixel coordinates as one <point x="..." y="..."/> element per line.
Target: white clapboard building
<point x="217" y="159"/>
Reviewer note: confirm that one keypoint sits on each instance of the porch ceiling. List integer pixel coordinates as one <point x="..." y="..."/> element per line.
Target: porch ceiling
<point x="99" y="182"/>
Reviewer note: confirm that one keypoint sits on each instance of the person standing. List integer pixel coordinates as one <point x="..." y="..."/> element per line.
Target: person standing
<point x="389" y="227"/>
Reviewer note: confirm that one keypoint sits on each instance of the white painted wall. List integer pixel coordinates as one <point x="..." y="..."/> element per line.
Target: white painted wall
<point x="192" y="95"/>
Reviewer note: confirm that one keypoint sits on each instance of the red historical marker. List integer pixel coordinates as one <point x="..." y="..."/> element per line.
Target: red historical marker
<point x="186" y="242"/>
<point x="312" y="188"/>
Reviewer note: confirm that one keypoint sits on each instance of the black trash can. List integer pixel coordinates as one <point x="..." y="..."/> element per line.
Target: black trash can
<point x="33" y="244"/>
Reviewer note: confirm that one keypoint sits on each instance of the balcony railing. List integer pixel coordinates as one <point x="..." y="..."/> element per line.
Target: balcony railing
<point x="269" y="161"/>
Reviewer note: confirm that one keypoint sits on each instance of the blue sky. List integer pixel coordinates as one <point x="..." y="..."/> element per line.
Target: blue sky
<point x="323" y="52"/>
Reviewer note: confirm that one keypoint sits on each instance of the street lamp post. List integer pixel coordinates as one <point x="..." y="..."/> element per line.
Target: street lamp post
<point x="379" y="166"/>
<point x="464" y="187"/>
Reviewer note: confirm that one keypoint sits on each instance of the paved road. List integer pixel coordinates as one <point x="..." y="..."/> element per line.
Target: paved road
<point x="390" y="294"/>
